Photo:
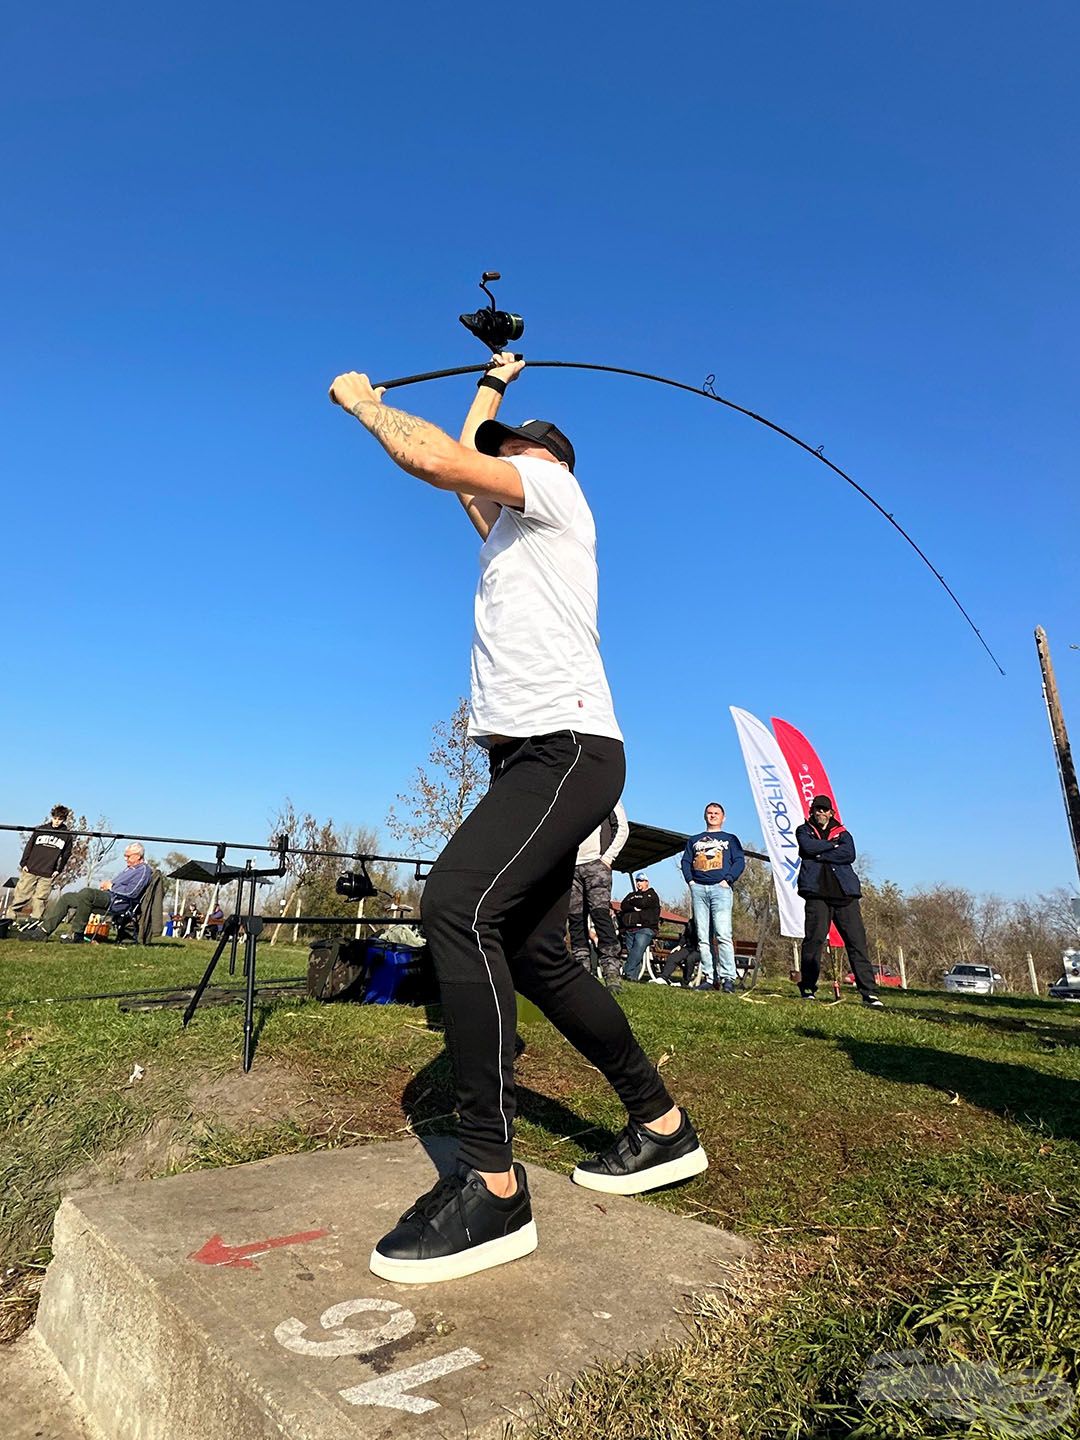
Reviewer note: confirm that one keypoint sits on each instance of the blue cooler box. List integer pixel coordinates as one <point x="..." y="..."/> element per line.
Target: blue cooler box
<point x="394" y="975"/>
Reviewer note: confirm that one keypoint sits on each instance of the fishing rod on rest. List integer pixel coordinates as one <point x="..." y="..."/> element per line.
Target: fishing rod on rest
<point x="498" y="328"/>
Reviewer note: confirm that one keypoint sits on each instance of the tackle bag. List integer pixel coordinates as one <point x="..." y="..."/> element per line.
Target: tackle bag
<point x="370" y="972"/>
<point x="337" y="970"/>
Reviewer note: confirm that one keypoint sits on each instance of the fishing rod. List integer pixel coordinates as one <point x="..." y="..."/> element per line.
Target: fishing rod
<point x="498" y="328"/>
<point x="281" y="982"/>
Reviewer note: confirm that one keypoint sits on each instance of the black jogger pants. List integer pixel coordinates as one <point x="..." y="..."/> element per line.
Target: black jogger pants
<point x="494" y="913"/>
<point x="847" y="917"/>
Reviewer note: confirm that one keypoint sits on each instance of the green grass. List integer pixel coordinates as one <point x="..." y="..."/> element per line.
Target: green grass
<point x="911" y="1176"/>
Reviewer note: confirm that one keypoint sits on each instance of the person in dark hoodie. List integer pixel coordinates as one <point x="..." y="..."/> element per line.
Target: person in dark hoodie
<point x="44" y="857"/>
<point x="639" y="920"/>
<point x="831" y="889"/>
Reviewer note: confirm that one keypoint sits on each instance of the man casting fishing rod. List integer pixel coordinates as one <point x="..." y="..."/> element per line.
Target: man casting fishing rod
<point x="495" y="903"/>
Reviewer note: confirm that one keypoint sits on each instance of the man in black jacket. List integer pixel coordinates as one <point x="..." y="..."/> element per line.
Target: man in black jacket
<point x="639" y="918"/>
<point x="44" y="857"/>
<point x="831" y="889"/>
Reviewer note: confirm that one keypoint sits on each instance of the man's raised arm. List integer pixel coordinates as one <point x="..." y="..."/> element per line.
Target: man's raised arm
<point x="485" y="406"/>
<point x="422" y="449"/>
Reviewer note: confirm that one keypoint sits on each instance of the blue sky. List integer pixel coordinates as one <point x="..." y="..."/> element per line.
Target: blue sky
<point x="862" y="220"/>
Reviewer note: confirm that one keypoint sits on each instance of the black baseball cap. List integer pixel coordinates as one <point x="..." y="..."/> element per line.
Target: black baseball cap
<point x="821" y="802"/>
<point x="491" y="434"/>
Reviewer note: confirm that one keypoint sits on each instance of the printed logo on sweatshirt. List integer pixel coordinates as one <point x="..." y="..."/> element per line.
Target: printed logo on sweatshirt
<point x="709" y="853"/>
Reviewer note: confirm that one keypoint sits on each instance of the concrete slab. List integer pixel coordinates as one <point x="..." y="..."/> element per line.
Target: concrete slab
<point x="237" y="1304"/>
<point x="37" y="1400"/>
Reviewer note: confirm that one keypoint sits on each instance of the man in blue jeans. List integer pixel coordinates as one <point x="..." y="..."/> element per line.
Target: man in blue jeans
<point x="639" y="917"/>
<point x="712" y="862"/>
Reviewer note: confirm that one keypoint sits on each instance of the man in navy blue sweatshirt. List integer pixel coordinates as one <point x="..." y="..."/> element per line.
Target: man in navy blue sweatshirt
<point x="711" y="863"/>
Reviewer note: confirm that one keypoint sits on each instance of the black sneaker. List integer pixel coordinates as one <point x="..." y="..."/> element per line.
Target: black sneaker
<point x="642" y="1160"/>
<point x="457" y="1228"/>
<point x="33" y="931"/>
<point x="728" y="987"/>
<point x="872" y="1002"/>
<point x="807" y="995"/>
<point x="72" y="939"/>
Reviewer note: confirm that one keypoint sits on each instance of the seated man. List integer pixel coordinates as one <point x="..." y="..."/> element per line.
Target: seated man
<point x="685" y="953"/>
<point x="115" y="898"/>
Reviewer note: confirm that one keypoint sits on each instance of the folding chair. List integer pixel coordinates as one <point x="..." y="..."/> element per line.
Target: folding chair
<point x="137" y="919"/>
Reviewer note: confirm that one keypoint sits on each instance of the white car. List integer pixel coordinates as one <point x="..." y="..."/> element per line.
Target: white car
<point x="1068" y="987"/>
<point x="972" y="980"/>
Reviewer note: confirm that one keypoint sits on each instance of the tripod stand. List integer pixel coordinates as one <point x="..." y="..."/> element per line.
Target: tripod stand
<point x="246" y="881"/>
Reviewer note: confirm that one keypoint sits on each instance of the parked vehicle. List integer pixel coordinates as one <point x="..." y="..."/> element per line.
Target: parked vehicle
<point x="883" y="977"/>
<point x="1068" y="987"/>
<point x="972" y="980"/>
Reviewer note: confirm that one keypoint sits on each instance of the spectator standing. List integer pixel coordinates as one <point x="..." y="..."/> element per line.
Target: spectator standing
<point x="712" y="862"/>
<point x="590" y="896"/>
<point x="831" y="889"/>
<point x="639" y="916"/>
<point x="43" y="859"/>
<point x="114" y="897"/>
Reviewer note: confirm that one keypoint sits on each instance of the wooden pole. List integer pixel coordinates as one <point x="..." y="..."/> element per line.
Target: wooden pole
<point x="277" y="924"/>
<point x="1066" y="769"/>
<point x="903" y="967"/>
<point x="1031" y="974"/>
<point x="209" y="908"/>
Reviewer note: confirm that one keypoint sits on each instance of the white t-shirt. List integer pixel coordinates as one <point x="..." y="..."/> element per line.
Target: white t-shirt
<point x="536" y="663"/>
<point x="590" y="850"/>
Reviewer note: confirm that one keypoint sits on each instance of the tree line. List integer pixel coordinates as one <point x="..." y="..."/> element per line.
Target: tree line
<point x="937" y="926"/>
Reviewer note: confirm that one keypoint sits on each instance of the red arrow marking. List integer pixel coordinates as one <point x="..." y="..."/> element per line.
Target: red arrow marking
<point x="214" y="1252"/>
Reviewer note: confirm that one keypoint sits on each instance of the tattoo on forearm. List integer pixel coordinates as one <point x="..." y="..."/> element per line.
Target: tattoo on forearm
<point x="401" y="435"/>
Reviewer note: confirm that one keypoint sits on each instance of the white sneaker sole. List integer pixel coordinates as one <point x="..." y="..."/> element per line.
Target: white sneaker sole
<point x="455" y="1267"/>
<point x="656" y="1176"/>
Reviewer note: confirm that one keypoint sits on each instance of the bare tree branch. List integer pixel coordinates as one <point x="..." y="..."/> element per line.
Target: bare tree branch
<point x="446" y="789"/>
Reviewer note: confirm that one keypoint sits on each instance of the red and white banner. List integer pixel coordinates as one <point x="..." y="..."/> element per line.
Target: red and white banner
<point x="806" y="769"/>
<point x="780" y="811"/>
<point x="810" y="778"/>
